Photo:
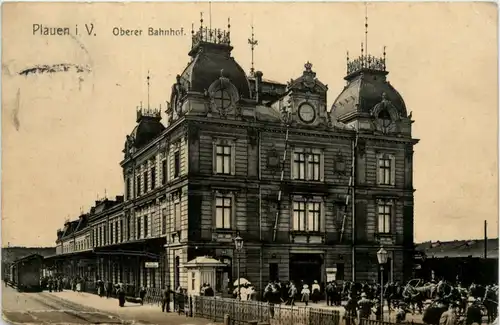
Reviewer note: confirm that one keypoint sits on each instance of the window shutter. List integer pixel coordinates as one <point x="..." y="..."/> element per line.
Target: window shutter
<point x="322" y="166"/>
<point x="322" y="216"/>
<point x="377" y="166"/>
<point x="233" y="224"/>
<point x="214" y="156"/>
<point x="393" y="217"/>
<point x="393" y="170"/>
<point x="233" y="158"/>
<point x="214" y="210"/>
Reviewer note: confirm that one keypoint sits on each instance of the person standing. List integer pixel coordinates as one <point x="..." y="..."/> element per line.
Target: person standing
<point x="292" y="292"/>
<point x="121" y="295"/>
<point x="142" y="294"/>
<point x="165" y="305"/>
<point x="449" y="317"/>
<point x="305" y="294"/>
<point x="365" y="307"/>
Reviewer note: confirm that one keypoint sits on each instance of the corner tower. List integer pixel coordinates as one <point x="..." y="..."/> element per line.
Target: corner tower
<point x="213" y="81"/>
<point x="369" y="102"/>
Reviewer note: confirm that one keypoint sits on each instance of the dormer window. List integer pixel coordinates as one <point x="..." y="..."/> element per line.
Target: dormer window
<point x="223" y="95"/>
<point x="222" y="99"/>
<point x="385" y="119"/>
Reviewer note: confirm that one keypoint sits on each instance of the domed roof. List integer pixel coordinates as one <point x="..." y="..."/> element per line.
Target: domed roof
<point x="363" y="92"/>
<point x="211" y="58"/>
<point x="148" y="128"/>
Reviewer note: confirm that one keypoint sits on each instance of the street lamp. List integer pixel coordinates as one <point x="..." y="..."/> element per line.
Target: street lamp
<point x="238" y="243"/>
<point x="382" y="259"/>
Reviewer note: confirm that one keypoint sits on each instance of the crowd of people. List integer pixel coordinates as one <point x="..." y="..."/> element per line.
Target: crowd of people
<point x="444" y="302"/>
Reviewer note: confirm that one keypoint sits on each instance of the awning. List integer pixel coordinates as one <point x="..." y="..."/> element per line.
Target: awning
<point x="127" y="253"/>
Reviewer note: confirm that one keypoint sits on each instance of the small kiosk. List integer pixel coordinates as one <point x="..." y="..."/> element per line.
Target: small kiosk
<point x="202" y="269"/>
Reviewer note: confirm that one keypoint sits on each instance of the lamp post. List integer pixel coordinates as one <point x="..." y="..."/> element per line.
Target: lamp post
<point x="382" y="259"/>
<point x="238" y="243"/>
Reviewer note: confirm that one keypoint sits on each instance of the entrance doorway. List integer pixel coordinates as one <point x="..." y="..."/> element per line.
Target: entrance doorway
<point x="306" y="268"/>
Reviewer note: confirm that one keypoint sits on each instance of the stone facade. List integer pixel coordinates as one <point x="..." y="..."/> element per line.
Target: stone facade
<point x="311" y="191"/>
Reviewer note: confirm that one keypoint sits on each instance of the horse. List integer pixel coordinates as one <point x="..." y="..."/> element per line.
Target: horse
<point x="490" y="302"/>
<point x="415" y="295"/>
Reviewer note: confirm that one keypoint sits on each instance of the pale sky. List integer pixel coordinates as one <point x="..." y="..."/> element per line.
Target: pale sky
<point x="66" y="149"/>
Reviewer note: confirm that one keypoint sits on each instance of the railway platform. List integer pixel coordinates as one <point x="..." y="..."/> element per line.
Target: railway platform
<point x="151" y="314"/>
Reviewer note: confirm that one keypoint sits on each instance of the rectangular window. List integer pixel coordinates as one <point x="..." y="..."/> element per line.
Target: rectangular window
<point x="146" y="220"/>
<point x="306" y="216"/>
<point x="127" y="188"/>
<point x="163" y="171"/>
<point x="164" y="221"/>
<point x="129" y="227"/>
<point x="153" y="178"/>
<point x="193" y="280"/>
<point x="313" y="166"/>
<point x="384" y="170"/>
<point x="138" y="186"/>
<point x="307" y="164"/>
<point x="223" y="207"/>
<point x="116" y="232"/>
<point x="138" y="230"/>
<point x="299" y="166"/>
<point x="177" y="216"/>
<point x="177" y="164"/>
<point x="313" y="216"/>
<point x="146" y="183"/>
<point x="299" y="216"/>
<point x="111" y="233"/>
<point x="105" y="231"/>
<point x="384" y="218"/>
<point x="223" y="159"/>
<point x="121" y="230"/>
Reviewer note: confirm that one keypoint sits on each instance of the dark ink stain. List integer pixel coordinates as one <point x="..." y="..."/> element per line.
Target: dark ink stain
<point x="89" y="57"/>
<point x="54" y="68"/>
<point x="15" y="112"/>
<point x="80" y="80"/>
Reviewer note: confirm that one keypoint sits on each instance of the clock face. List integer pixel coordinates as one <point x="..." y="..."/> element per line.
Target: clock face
<point x="307" y="113"/>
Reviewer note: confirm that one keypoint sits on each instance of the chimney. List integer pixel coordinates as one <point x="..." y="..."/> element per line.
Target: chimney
<point x="258" y="86"/>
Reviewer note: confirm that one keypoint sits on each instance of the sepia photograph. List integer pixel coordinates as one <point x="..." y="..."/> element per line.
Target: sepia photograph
<point x="279" y="163"/>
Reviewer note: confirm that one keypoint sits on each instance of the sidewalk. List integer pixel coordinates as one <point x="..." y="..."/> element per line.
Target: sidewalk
<point x="140" y="313"/>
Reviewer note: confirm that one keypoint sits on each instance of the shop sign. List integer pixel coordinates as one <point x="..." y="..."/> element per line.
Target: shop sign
<point x="151" y="265"/>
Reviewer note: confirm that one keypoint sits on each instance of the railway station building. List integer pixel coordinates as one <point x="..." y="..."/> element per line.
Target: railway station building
<point x="312" y="190"/>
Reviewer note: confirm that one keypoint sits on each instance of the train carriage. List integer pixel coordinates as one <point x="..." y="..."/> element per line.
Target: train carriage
<point x="26" y="273"/>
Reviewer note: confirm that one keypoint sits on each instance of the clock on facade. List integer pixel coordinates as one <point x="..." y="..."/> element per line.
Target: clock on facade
<point x="307" y="113"/>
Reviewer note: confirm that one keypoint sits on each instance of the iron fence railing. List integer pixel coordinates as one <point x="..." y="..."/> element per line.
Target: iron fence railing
<point x="254" y="312"/>
<point x="248" y="312"/>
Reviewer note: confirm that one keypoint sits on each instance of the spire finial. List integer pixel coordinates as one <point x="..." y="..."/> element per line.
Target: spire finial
<point x="366" y="28"/>
<point x="201" y="20"/>
<point x="384" y="59"/>
<point x="210" y="14"/>
<point x="253" y="42"/>
<point x="148" y="88"/>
